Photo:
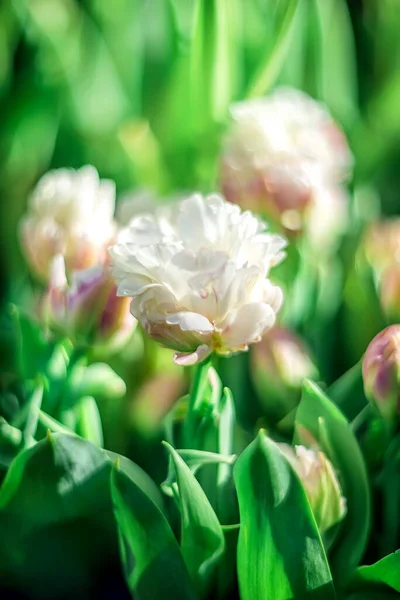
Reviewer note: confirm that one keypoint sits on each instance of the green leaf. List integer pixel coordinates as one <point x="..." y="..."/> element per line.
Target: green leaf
<point x="89" y="423"/>
<point x="202" y="538"/>
<point x="33" y="351"/>
<point x="348" y="391"/>
<point x="280" y="553"/>
<point x="151" y="558"/>
<point x="56" y="517"/>
<point x="318" y="416"/>
<point x="337" y="73"/>
<point x="273" y="61"/>
<point x="34" y="407"/>
<point x="195" y="460"/>
<point x="53" y="425"/>
<point x="385" y="572"/>
<point x="98" y="380"/>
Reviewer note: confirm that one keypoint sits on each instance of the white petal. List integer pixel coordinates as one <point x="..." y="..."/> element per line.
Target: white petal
<point x="190" y="321"/>
<point x="273" y="295"/>
<point x="250" y="323"/>
<point x="185" y="360"/>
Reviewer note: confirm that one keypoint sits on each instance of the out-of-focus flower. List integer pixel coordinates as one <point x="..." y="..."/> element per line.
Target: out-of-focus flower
<point x="381" y="244"/>
<point x="88" y="310"/>
<point x="285" y="157"/>
<point x="381" y="372"/>
<point x="380" y="247"/>
<point x="279" y="364"/>
<point x="320" y="484"/>
<point x="70" y="213"/>
<point x="196" y="272"/>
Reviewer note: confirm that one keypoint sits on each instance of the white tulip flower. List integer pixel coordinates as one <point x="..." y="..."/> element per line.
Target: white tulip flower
<point x="70" y="213"/>
<point x="197" y="275"/>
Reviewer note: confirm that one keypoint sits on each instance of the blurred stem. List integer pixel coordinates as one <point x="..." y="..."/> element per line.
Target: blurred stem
<point x="361" y="418"/>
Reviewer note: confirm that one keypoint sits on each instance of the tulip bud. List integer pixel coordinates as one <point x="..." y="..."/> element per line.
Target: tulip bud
<point x="88" y="311"/>
<point x="279" y="364"/>
<point x="381" y="372"/>
<point x="70" y="213"/>
<point x="320" y="484"/>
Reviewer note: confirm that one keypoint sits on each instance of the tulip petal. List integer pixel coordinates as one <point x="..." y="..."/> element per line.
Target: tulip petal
<point x="250" y="323"/>
<point x="190" y="321"/>
<point x="185" y="359"/>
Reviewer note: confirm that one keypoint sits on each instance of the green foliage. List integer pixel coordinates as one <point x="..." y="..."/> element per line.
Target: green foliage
<point x="142" y="90"/>
<point x="278" y="535"/>
<point x="151" y="558"/>
<point x="319" y="418"/>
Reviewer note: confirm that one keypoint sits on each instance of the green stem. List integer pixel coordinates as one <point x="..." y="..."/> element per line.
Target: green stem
<point x="196" y="398"/>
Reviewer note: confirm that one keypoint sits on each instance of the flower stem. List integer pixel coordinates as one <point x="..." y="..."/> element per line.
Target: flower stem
<point x="196" y="398"/>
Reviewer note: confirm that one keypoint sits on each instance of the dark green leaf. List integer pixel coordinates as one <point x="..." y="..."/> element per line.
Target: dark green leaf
<point x="152" y="561"/>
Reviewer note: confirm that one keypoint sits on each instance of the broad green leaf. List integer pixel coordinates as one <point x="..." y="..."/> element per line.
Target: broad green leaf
<point x="318" y="416"/>
<point x="280" y="554"/>
<point x="202" y="538"/>
<point x="56" y="517"/>
<point x="385" y="572"/>
<point x="151" y="558"/>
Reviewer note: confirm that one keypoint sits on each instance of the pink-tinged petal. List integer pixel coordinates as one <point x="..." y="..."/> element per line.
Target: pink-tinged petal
<point x="185" y="360"/>
<point x="250" y="323"/>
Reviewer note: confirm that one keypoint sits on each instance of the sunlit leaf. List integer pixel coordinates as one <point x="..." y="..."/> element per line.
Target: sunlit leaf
<point x="202" y="539"/>
<point x="280" y="553"/>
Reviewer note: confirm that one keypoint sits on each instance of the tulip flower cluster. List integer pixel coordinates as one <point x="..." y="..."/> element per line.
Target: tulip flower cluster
<point x="267" y="467"/>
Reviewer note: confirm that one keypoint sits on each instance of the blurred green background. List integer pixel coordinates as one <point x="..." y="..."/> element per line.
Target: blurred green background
<point x="141" y="89"/>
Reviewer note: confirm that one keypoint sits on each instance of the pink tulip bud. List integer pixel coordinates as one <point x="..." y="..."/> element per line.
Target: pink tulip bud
<point x="88" y="310"/>
<point x="381" y="372"/>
